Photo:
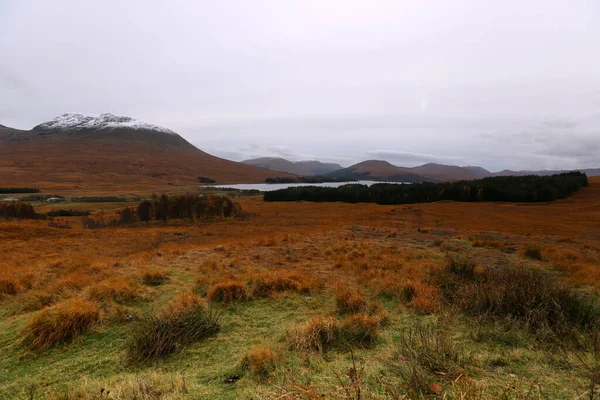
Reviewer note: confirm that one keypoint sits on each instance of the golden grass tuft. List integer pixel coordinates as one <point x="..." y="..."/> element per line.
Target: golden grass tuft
<point x="228" y="292"/>
<point x="270" y="284"/>
<point x="324" y="333"/>
<point x="317" y="334"/>
<point x="260" y="361"/>
<point x="122" y="289"/>
<point x="349" y="301"/>
<point x="61" y="323"/>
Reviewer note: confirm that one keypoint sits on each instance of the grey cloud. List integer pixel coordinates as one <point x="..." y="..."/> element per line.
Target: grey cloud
<point x="335" y="80"/>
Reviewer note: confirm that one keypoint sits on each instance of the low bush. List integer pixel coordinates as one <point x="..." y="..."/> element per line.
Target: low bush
<point x="186" y="320"/>
<point x="534" y="298"/>
<point x="61" y="323"/>
<point x="227" y="292"/>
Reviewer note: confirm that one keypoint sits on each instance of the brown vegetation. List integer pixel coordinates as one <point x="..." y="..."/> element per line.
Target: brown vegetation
<point x="60" y="324"/>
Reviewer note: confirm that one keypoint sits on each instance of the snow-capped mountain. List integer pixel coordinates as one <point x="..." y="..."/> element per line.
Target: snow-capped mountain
<point x="78" y="121"/>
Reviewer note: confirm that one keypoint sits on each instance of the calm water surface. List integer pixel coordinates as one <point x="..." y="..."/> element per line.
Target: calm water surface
<point x="266" y="187"/>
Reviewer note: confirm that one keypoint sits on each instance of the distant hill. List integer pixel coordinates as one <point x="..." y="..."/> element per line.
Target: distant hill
<point x="89" y="151"/>
<point x="377" y="170"/>
<point x="300" y="168"/>
<point x="449" y="172"/>
<point x="587" y="171"/>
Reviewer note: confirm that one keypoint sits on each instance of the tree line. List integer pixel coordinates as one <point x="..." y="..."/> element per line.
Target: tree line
<point x="18" y="190"/>
<point x="190" y="206"/>
<point x="163" y="208"/>
<point x="531" y="188"/>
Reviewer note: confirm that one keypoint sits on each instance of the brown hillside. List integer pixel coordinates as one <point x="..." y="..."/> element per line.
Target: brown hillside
<point x="117" y="158"/>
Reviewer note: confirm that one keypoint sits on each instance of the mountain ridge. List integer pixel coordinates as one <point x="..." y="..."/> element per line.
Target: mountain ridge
<point x="122" y="152"/>
<point x="300" y="168"/>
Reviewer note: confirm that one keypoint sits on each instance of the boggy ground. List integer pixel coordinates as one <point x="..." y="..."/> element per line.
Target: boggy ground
<point x="311" y="301"/>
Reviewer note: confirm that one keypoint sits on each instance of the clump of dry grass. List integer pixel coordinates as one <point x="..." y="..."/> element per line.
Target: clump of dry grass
<point x="61" y="324"/>
<point x="186" y="320"/>
<point x="360" y="330"/>
<point x="427" y="299"/>
<point x="154" y="276"/>
<point x="324" y="333"/>
<point x="260" y="361"/>
<point x="318" y="334"/>
<point x="121" y="289"/>
<point x="349" y="301"/>
<point x="270" y="284"/>
<point x="34" y="300"/>
<point x="227" y="292"/>
<point x="425" y="355"/>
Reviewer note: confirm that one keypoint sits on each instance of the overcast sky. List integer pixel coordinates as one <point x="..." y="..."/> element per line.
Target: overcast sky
<point x="501" y="84"/>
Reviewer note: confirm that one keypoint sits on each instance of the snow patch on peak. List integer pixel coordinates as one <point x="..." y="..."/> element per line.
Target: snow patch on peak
<point x="79" y="121"/>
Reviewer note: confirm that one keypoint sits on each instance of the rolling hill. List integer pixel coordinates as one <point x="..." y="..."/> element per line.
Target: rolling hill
<point x="300" y="168"/>
<point x="377" y="170"/>
<point x="107" y="151"/>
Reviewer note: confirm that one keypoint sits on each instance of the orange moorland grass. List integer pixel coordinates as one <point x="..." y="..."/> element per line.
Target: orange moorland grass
<point x="324" y="333"/>
<point x="261" y="361"/>
<point x="152" y="276"/>
<point x="61" y="323"/>
<point x="349" y="301"/>
<point x="121" y="288"/>
<point x="9" y="286"/>
<point x="269" y="284"/>
<point x="227" y="292"/>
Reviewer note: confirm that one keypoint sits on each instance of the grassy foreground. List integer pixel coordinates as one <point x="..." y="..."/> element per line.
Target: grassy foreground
<point x="308" y="301"/>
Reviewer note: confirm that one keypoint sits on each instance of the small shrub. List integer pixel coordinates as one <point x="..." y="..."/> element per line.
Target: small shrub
<point x="154" y="276"/>
<point x="186" y="320"/>
<point x="60" y="324"/>
<point x="227" y="292"/>
<point x="349" y="301"/>
<point x="260" y="361"/>
<point x="531" y="297"/>
<point x="534" y="252"/>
